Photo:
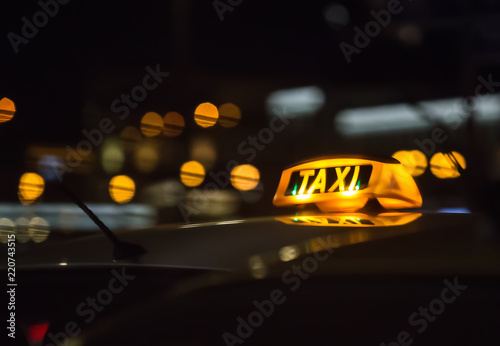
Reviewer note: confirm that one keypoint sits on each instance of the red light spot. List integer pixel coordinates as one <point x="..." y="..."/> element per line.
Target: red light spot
<point x="36" y="332"/>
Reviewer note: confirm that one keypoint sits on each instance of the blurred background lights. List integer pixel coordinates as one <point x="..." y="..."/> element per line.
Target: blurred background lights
<point x="216" y="203"/>
<point x="254" y="195"/>
<point x="22" y="235"/>
<point x="192" y="173"/>
<point x="229" y="115"/>
<point x="31" y="186"/>
<point x="289" y="253"/>
<point x="168" y="193"/>
<point x="414" y="161"/>
<point x="410" y="34"/>
<point x="7" y="110"/>
<point x="51" y="167"/>
<point x="257" y="267"/>
<point x="6" y="228"/>
<point x="173" y="124"/>
<point x="121" y="189"/>
<point x="384" y="119"/>
<point x="151" y="124"/>
<point x="146" y="156"/>
<point x="245" y="177"/>
<point x="336" y="15"/>
<point x="296" y="102"/>
<point x="112" y="155"/>
<point x="206" y="114"/>
<point x="445" y="165"/>
<point x="130" y="136"/>
<point x="379" y="119"/>
<point x="38" y="229"/>
<point x="202" y="149"/>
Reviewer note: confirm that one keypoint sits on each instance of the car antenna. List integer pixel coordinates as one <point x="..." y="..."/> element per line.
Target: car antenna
<point x="122" y="250"/>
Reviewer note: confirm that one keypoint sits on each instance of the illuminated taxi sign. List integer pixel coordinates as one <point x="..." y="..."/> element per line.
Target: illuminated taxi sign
<point x="332" y="179"/>
<point x="346" y="184"/>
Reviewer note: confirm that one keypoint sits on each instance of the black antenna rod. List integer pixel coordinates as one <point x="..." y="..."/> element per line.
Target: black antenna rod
<point x="122" y="250"/>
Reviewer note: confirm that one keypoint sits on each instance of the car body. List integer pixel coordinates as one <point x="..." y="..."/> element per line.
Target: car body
<point x="344" y="278"/>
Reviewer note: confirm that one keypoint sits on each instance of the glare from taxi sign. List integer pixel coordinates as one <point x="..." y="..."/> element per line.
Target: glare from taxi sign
<point x="192" y="173"/>
<point x="346" y="184"/>
<point x="151" y="124"/>
<point x="173" y="124"/>
<point x="31" y="186"/>
<point x="446" y="165"/>
<point x="7" y="110"/>
<point x="206" y="114"/>
<point x="414" y="161"/>
<point x="229" y="115"/>
<point x="121" y="189"/>
<point x="351" y="219"/>
<point x="245" y="177"/>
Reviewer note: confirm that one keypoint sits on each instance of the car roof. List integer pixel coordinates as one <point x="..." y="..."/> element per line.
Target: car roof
<point x="433" y="242"/>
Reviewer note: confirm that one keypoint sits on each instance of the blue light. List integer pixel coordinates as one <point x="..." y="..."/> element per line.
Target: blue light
<point x="454" y="211"/>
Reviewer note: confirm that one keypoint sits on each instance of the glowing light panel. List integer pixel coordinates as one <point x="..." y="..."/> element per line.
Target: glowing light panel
<point x="346" y="184"/>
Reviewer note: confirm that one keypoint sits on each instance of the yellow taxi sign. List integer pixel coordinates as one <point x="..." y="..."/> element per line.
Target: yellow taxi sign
<point x="347" y="183"/>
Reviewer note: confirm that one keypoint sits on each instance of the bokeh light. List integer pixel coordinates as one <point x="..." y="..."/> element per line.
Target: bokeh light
<point x="31" y="186"/>
<point x="121" y="189"/>
<point x="289" y="253"/>
<point x="192" y="173"/>
<point x="146" y="156"/>
<point x="445" y="165"/>
<point x="112" y="156"/>
<point x="168" y="193"/>
<point x="257" y="267"/>
<point x="6" y="228"/>
<point x="245" y="177"/>
<point x="7" y="110"/>
<point x="151" y="124"/>
<point x="38" y="229"/>
<point x="229" y="115"/>
<point x="206" y="114"/>
<point x="173" y="124"/>
<point x="336" y="15"/>
<point x="203" y="150"/>
<point x="22" y="235"/>
<point x="130" y="135"/>
<point x="51" y="167"/>
<point x="414" y="161"/>
<point x="216" y="203"/>
<point x="254" y="195"/>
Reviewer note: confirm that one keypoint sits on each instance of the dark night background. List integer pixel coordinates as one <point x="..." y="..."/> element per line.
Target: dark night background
<point x="65" y="79"/>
